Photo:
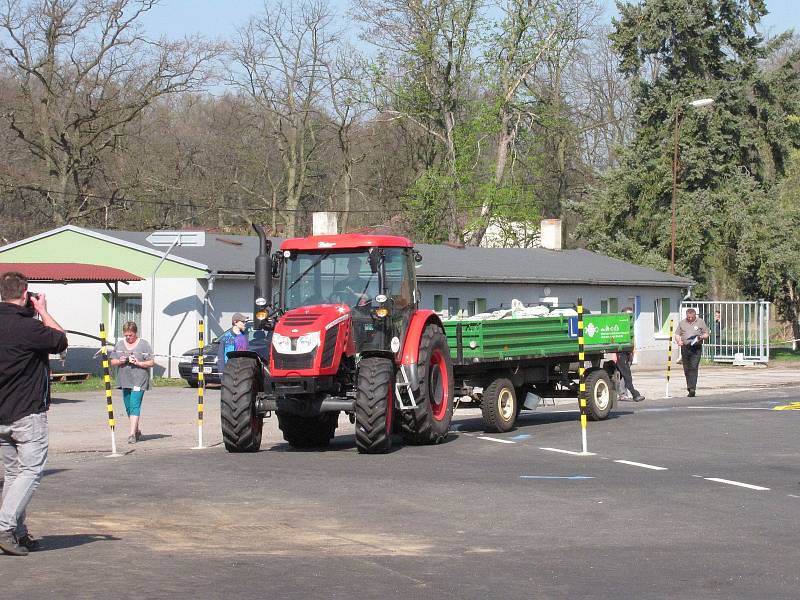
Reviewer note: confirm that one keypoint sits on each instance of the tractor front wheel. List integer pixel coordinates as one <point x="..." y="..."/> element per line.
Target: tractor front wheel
<point x="374" y="405"/>
<point x="241" y="425"/>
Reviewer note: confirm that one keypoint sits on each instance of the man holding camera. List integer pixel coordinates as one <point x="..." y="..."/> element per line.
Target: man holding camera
<point x="25" y="346"/>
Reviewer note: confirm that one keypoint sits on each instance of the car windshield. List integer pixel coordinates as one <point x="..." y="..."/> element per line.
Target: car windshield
<point x="329" y="278"/>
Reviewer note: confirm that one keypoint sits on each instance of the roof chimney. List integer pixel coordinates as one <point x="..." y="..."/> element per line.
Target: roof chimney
<point x="324" y="223"/>
<point x="550" y="235"/>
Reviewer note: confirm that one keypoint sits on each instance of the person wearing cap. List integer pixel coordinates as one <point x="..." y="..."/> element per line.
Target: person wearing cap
<point x="233" y="340"/>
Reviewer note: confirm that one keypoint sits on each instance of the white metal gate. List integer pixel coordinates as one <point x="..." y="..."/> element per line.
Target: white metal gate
<point x="737" y="328"/>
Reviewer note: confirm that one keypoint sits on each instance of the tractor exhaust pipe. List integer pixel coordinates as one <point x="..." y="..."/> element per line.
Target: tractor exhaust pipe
<point x="262" y="295"/>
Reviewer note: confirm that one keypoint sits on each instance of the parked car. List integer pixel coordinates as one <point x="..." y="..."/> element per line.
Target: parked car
<point x="188" y="368"/>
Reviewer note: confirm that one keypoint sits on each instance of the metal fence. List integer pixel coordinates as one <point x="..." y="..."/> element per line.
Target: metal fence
<point x="738" y="329"/>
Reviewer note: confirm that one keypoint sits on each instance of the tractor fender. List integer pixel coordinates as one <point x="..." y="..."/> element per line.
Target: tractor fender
<point x="409" y="354"/>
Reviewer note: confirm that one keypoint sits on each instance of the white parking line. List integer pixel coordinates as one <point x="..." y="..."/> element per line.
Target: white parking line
<point x="643" y="465"/>
<point x="491" y="439"/>
<point x="749" y="486"/>
<point x="728" y="408"/>
<point x="568" y="452"/>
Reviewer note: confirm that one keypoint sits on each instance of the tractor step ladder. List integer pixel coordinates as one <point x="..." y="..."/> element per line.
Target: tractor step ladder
<point x="404" y="393"/>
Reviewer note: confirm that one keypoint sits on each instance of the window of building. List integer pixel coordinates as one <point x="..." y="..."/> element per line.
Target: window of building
<point x="661" y="316"/>
<point x="609" y="305"/>
<point x="480" y="305"/>
<point x="453" y="306"/>
<point x="470" y="307"/>
<point x="438" y="302"/>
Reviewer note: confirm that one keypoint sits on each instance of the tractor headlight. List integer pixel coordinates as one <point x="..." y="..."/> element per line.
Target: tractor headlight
<point x="307" y="342"/>
<point x="299" y="345"/>
<point x="282" y="343"/>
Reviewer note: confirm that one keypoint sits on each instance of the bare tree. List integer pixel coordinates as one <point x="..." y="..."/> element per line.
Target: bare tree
<point x="425" y="69"/>
<point x="282" y="58"/>
<point x="84" y="72"/>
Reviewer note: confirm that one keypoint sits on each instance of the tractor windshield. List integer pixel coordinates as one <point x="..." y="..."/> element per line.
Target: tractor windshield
<point x="329" y="278"/>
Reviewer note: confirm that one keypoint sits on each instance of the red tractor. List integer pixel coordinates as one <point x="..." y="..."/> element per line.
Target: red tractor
<point x="345" y="333"/>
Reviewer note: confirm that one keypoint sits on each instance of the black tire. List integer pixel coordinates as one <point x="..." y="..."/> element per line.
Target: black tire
<point x="429" y="422"/>
<point x="374" y="405"/>
<point x="600" y="395"/>
<point x="499" y="406"/>
<point x="308" y="432"/>
<point x="241" y="425"/>
<point x="193" y="383"/>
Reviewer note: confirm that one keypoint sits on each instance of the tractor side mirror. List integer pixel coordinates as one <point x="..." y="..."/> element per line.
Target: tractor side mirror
<point x="277" y="263"/>
<point x="417" y="259"/>
<point x="374" y="257"/>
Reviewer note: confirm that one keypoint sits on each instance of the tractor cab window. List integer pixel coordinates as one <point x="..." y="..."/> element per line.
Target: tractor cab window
<point x="327" y="278"/>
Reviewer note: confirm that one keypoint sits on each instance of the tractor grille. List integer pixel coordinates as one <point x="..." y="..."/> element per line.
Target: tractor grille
<point x="330" y="346"/>
<point x="294" y="362"/>
<point x="300" y="320"/>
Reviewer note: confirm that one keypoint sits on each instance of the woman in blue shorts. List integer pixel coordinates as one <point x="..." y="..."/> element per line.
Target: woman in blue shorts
<point x="133" y="357"/>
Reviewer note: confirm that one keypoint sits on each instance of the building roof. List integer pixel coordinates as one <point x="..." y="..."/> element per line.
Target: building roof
<point x="235" y="255"/>
<point x="69" y="272"/>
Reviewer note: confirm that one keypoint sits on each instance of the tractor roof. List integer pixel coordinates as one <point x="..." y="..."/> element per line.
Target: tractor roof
<point x="346" y="241"/>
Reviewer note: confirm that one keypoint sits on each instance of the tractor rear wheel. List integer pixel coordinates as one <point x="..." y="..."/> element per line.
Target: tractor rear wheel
<point x="429" y="422"/>
<point x="374" y="405"/>
<point x="499" y="405"/>
<point x="308" y="432"/>
<point x="241" y="425"/>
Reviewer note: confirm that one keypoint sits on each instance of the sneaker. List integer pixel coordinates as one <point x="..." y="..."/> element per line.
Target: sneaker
<point x="131" y="439"/>
<point x="9" y="544"/>
<point x="30" y="542"/>
<point x="638" y="398"/>
<point x="690" y="394"/>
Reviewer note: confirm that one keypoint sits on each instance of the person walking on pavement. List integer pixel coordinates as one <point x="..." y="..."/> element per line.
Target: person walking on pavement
<point x="690" y="335"/>
<point x="624" y="361"/>
<point x="25" y="346"/>
<point x="134" y="359"/>
<point x="233" y="340"/>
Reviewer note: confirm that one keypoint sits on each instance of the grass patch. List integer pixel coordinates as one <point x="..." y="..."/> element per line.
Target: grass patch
<point x="96" y="383"/>
<point x="784" y="354"/>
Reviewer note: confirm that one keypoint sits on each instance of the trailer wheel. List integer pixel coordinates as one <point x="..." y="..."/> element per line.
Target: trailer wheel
<point x="600" y="395"/>
<point x="429" y="422"/>
<point x="374" y="405"/>
<point x="308" y="432"/>
<point x="499" y="405"/>
<point x="241" y="425"/>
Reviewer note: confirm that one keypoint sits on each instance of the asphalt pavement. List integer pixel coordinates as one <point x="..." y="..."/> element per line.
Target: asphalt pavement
<point x="678" y="498"/>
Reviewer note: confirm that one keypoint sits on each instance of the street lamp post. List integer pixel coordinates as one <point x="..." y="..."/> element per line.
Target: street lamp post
<point x="678" y="114"/>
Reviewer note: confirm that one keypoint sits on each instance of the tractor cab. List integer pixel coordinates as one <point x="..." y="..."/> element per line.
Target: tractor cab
<point x="369" y="278"/>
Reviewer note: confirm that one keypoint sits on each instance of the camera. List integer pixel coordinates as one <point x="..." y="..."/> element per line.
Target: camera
<point x="28" y="302"/>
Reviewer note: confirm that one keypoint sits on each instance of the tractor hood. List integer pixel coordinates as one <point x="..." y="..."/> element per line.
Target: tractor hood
<point x="307" y="319"/>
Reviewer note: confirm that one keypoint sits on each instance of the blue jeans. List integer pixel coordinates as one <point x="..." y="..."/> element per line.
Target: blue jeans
<point x="23" y="446"/>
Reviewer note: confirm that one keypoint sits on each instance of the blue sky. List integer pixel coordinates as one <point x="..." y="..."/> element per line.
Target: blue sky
<point x="219" y="18"/>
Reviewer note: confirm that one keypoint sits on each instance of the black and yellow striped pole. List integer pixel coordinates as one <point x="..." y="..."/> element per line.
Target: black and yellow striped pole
<point x="669" y="358"/>
<point x="107" y="380"/>
<point x="582" y="377"/>
<point x="201" y="384"/>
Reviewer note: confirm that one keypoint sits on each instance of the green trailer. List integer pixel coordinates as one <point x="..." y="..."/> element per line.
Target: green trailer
<point x="497" y="363"/>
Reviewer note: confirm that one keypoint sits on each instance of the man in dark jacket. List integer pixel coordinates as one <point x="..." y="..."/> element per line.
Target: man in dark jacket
<point x="25" y="343"/>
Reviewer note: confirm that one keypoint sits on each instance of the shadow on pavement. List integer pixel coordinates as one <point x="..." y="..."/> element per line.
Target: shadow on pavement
<point x="154" y="436"/>
<point x="64" y="401"/>
<point x="61" y="542"/>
